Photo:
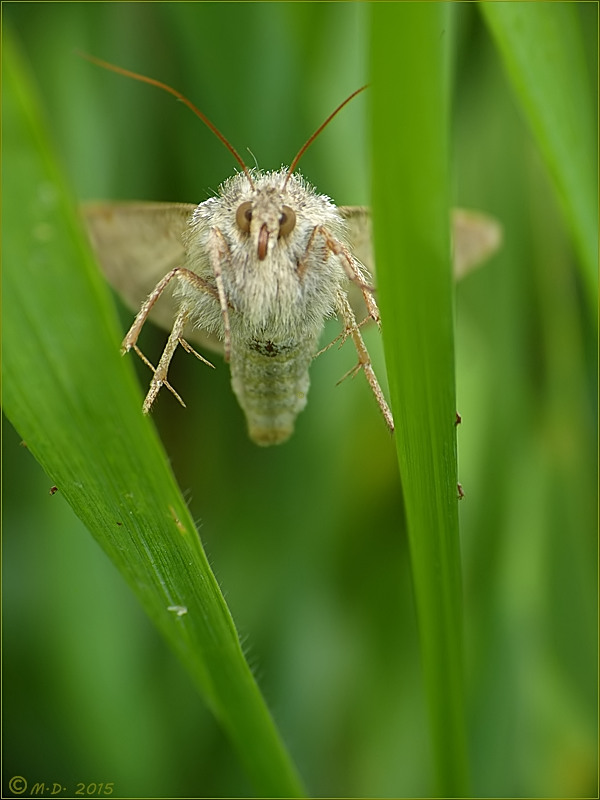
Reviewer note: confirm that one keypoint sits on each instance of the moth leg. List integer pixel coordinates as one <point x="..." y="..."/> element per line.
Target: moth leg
<point x="364" y="360"/>
<point x="189" y="349"/>
<point x="179" y="272"/>
<point x="130" y="340"/>
<point x="218" y="250"/>
<point x="148" y="363"/>
<point x="343" y="336"/>
<point x="160" y="373"/>
<point x="350" y="374"/>
<point x="354" y="274"/>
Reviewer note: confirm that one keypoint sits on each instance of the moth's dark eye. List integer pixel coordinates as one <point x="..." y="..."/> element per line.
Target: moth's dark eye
<point x="287" y="221"/>
<point x="243" y="216"/>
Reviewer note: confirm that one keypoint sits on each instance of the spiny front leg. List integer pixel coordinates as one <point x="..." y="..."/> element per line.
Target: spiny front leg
<point x="364" y="360"/>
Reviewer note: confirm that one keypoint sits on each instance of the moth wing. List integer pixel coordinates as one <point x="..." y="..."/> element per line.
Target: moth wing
<point x="475" y="237"/>
<point x="137" y="244"/>
<point x="359" y="233"/>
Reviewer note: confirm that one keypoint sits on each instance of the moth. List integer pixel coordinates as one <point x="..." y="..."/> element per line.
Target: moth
<point x="254" y="272"/>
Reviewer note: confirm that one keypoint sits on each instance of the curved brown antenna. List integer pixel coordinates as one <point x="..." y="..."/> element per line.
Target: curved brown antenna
<point x="144" y="79"/>
<point x="311" y="139"/>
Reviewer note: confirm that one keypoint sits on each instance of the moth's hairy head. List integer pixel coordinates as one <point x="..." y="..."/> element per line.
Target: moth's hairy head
<point x="165" y="87"/>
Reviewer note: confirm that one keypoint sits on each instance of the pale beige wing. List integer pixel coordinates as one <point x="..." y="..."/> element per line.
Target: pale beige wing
<point x="475" y="236"/>
<point x="358" y="221"/>
<point x="137" y="244"/>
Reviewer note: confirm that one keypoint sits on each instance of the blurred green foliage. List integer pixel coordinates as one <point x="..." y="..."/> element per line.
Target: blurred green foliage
<point x="303" y="538"/>
<point x="410" y="202"/>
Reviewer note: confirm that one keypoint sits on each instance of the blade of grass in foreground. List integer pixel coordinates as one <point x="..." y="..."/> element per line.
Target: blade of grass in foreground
<point x="75" y="403"/>
<point x="411" y="221"/>
<point x="542" y="48"/>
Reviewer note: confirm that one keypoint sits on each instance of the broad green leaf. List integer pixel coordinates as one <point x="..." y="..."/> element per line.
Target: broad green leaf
<point x="75" y="403"/>
<point x="411" y="219"/>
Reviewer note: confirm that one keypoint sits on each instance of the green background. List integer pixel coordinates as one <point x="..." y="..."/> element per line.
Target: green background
<point x="304" y="538"/>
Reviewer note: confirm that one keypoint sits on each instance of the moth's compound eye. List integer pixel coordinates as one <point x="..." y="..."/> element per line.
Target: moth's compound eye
<point x="287" y="221"/>
<point x="243" y="216"/>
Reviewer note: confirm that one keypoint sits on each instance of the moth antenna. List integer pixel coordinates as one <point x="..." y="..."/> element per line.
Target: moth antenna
<point x="311" y="139"/>
<point x="153" y="82"/>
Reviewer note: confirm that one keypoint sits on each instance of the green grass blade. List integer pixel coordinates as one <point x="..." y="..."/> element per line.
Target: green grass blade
<point x="75" y="403"/>
<point x="543" y="52"/>
<point x="411" y="218"/>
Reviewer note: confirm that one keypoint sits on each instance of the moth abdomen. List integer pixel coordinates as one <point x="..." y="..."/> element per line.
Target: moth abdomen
<point x="271" y="381"/>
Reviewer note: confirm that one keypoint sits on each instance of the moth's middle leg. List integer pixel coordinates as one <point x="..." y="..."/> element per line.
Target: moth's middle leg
<point x="351" y="328"/>
<point x="344" y="309"/>
<point x="160" y="372"/>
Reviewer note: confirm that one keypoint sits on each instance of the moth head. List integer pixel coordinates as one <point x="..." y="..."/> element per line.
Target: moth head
<point x="265" y="219"/>
<point x="250" y="217"/>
